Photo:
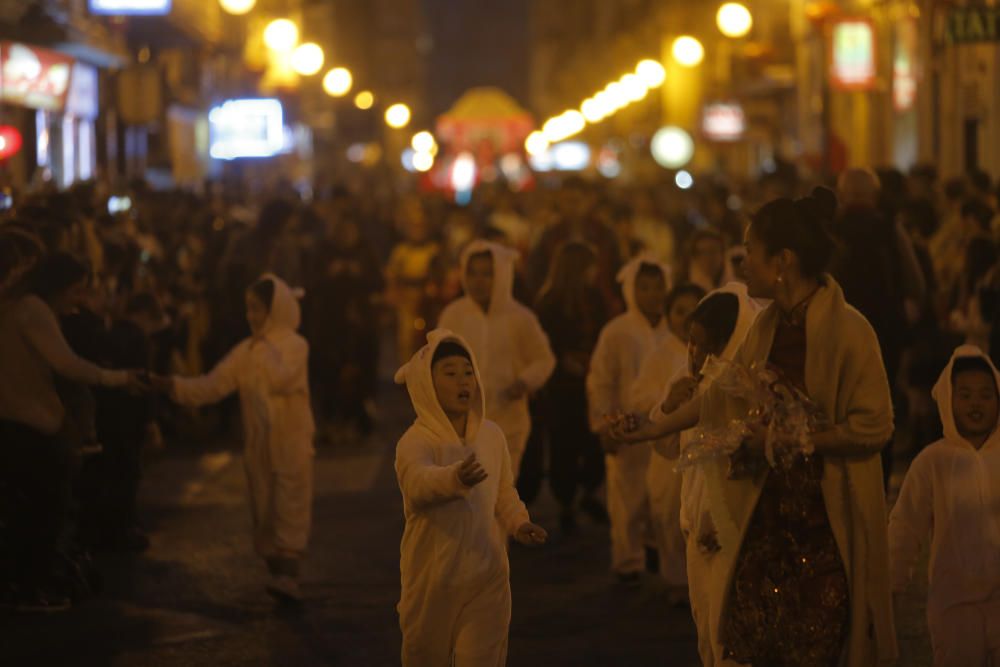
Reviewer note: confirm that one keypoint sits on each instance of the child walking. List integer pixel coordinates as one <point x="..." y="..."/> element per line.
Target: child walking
<point x="460" y="504"/>
<point x="270" y="372"/>
<point x="951" y="494"/>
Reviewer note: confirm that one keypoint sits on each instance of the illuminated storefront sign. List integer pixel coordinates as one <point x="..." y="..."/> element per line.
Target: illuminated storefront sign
<point x="968" y="25"/>
<point x="131" y="7"/>
<point x="33" y="77"/>
<point x="723" y="121"/>
<point x="852" y="54"/>
<point x="246" y="129"/>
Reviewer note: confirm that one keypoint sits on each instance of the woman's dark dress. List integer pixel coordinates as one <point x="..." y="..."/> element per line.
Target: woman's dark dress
<point x="788" y="604"/>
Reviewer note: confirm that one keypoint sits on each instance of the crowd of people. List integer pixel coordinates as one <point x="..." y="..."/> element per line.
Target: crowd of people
<point x="577" y="325"/>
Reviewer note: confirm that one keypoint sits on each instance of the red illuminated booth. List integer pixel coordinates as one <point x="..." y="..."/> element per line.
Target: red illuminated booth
<point x="51" y="100"/>
<point x="487" y="123"/>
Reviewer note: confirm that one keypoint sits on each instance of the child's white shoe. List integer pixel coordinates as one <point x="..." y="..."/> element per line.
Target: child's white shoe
<point x="284" y="589"/>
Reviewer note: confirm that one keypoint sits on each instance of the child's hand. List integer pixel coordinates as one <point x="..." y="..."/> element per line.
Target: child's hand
<point x="680" y="393"/>
<point x="529" y="534"/>
<point x="137" y="382"/>
<point x="470" y="473"/>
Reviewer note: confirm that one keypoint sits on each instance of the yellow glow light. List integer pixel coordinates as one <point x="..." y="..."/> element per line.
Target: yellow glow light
<point x="651" y="72"/>
<point x="688" y="51"/>
<point x="734" y="20"/>
<point x="337" y="82"/>
<point x="423" y="162"/>
<point x="616" y="95"/>
<point x="536" y="143"/>
<point x="364" y="100"/>
<point x="237" y="7"/>
<point x="605" y="104"/>
<point x="281" y="35"/>
<point x="592" y="110"/>
<point x="633" y="87"/>
<point x="307" y="59"/>
<point x="397" y="116"/>
<point x="423" y="142"/>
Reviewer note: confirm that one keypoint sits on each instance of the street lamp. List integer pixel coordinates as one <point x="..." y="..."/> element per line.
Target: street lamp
<point x="237" y="7"/>
<point x="672" y="147"/>
<point x="734" y="20"/>
<point x="536" y="143"/>
<point x="281" y="35"/>
<point x="364" y="100"/>
<point x="651" y="72"/>
<point x="338" y="82"/>
<point x="397" y="116"/>
<point x="423" y="162"/>
<point x="307" y="59"/>
<point x="633" y="88"/>
<point x="592" y="110"/>
<point x="423" y="142"/>
<point x="688" y="51"/>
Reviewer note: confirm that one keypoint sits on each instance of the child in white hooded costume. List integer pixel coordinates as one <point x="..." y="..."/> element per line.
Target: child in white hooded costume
<point x="952" y="495"/>
<point x="624" y="344"/>
<point x="270" y="372"/>
<point x="513" y="351"/>
<point x="460" y="504"/>
<point x="669" y="357"/>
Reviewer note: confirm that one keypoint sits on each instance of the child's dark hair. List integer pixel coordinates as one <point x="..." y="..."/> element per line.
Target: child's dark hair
<point x="450" y="348"/>
<point x="264" y="290"/>
<point x="682" y="290"/>
<point x="718" y="314"/>
<point x="800" y="226"/>
<point x="144" y="303"/>
<point x="970" y="364"/>
<point x="57" y="273"/>
<point x="649" y="270"/>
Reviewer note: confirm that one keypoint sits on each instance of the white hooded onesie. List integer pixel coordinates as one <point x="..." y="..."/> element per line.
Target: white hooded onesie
<point x="271" y="375"/>
<point x="952" y="495"/>
<point x="508" y="342"/>
<point x="455" y="604"/>
<point x="624" y="344"/>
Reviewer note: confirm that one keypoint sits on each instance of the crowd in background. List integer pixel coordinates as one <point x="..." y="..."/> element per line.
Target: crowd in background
<point x="157" y="286"/>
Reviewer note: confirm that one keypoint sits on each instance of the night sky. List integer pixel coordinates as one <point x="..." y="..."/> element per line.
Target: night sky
<point x="477" y="43"/>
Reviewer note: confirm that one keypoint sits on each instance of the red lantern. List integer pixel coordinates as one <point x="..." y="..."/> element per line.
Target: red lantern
<point x="10" y="141"/>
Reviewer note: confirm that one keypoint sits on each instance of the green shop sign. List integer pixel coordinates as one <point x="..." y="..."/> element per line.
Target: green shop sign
<point x="968" y="25"/>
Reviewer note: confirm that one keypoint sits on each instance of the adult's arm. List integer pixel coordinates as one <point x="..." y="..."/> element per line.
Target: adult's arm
<point x="41" y="329"/>
<point x="534" y="344"/>
<point x="914" y="285"/>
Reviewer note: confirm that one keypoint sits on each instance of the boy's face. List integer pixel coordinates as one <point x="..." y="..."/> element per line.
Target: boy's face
<point x="650" y="293"/>
<point x="479" y="279"/>
<point x="974" y="403"/>
<point x="256" y="312"/>
<point x="699" y="348"/>
<point x="454" y="384"/>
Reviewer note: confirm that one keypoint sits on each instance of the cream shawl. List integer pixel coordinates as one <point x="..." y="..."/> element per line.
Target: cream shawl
<point x="846" y="378"/>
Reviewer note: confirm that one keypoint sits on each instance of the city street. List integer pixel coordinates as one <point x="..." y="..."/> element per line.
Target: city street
<point x="197" y="598"/>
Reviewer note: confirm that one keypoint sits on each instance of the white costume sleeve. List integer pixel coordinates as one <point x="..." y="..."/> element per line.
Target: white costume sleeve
<point x="910" y="524"/>
<point x="213" y="387"/>
<point x="510" y="511"/>
<point x="282" y="368"/>
<point x="534" y="344"/>
<point x="449" y="318"/>
<point x="602" y="381"/>
<point x="423" y="483"/>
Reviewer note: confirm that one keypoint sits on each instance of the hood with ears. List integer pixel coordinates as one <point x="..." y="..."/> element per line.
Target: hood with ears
<point x="628" y="273"/>
<point x="749" y="309"/>
<point x="285" y="314"/>
<point x="416" y="375"/>
<point x="942" y="394"/>
<point x="504" y="260"/>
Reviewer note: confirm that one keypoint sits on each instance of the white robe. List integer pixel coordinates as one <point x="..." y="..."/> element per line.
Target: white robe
<point x="695" y="520"/>
<point x="509" y="344"/>
<point x="455" y="602"/>
<point x="663" y="483"/>
<point x="951" y="494"/>
<point x="624" y="343"/>
<point x="271" y="376"/>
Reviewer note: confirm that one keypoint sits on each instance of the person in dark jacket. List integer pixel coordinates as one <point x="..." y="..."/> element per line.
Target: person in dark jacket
<point x="572" y="313"/>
